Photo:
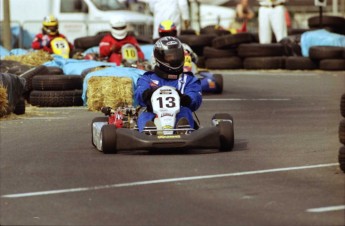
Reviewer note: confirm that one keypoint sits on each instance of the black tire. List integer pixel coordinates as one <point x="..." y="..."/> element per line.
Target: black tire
<point x="19" y="109"/>
<point x="300" y="63"/>
<point x="213" y="29"/>
<point x="341" y="158"/>
<point x="335" y="23"/>
<point x="88" y="41"/>
<point x="197" y="40"/>
<point x="52" y="71"/>
<point x="226" y="131"/>
<point x="231" y="41"/>
<point x="264" y="63"/>
<point x="66" y="98"/>
<point x="210" y="52"/>
<point x="224" y="63"/>
<point x="260" y="50"/>
<point x="108" y="137"/>
<point x="219" y="83"/>
<point x="326" y="52"/>
<point x="342" y="105"/>
<point x="28" y="75"/>
<point x="97" y="119"/>
<point x="342" y="131"/>
<point x="226" y="136"/>
<point x="332" y="64"/>
<point x="57" y="82"/>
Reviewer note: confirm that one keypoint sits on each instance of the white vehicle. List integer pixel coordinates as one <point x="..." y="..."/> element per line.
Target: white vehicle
<point x="77" y="18"/>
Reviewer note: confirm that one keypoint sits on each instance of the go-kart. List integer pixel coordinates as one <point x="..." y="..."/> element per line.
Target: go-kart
<point x="210" y="83"/>
<point x="119" y="130"/>
<point x="60" y="47"/>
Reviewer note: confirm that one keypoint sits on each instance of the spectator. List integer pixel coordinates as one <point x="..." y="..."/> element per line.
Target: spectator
<point x="272" y="18"/>
<point x="111" y="44"/>
<point x="243" y="14"/>
<point x="50" y="30"/>
<point x="169" y="10"/>
<point x="169" y="57"/>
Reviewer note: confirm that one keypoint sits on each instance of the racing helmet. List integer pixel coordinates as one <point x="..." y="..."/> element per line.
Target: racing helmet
<point x="118" y="27"/>
<point x="169" y="57"/>
<point x="167" y="28"/>
<point x="50" y="25"/>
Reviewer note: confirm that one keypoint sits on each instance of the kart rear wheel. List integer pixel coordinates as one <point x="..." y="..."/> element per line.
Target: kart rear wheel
<point x="97" y="119"/>
<point x="108" y="139"/>
<point x="226" y="135"/>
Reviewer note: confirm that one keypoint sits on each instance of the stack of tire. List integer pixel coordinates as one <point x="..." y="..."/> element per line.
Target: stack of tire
<point x="49" y="87"/>
<point x="341" y="154"/>
<point x="330" y="58"/>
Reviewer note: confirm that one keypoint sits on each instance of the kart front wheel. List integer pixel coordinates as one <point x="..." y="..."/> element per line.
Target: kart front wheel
<point x="226" y="135"/>
<point x="108" y="139"/>
<point x="97" y="119"/>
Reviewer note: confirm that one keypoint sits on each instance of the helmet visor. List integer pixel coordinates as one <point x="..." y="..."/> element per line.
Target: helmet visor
<point x="173" y="58"/>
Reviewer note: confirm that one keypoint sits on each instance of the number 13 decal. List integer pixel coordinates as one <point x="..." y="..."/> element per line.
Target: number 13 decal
<point x="169" y="102"/>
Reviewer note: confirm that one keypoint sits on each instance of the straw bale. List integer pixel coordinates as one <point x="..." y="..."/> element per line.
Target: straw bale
<point x="109" y="91"/>
<point x="4" y="108"/>
<point x="33" y="58"/>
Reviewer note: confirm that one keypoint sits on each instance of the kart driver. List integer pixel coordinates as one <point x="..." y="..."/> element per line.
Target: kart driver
<point x="168" y="28"/>
<point x="50" y="30"/>
<point x="110" y="45"/>
<point x="168" y="70"/>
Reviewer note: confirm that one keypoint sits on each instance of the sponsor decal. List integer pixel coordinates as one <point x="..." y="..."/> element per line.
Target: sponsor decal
<point x="171" y="43"/>
<point x="166" y="114"/>
<point x="169" y="137"/>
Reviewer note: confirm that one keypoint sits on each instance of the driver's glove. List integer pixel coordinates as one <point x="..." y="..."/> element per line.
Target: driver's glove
<point x="185" y="100"/>
<point x="147" y="98"/>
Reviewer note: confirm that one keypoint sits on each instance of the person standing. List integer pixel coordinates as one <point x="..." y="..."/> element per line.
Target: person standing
<point x="175" y="10"/>
<point x="272" y="19"/>
<point x="243" y="14"/>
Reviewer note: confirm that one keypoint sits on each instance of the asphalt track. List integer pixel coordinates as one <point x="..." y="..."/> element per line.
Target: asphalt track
<point x="283" y="169"/>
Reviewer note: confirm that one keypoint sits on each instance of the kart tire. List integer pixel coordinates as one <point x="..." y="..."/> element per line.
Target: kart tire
<point x="219" y="83"/>
<point x="108" y="139"/>
<point x="226" y="135"/>
<point x="341" y="158"/>
<point x="342" y="105"/>
<point x="19" y="109"/>
<point x="342" y="131"/>
<point x="97" y="119"/>
<point x="57" y="82"/>
<point x="65" y="98"/>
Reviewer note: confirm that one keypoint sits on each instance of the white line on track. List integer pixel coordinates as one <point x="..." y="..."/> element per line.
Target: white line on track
<point x="326" y="209"/>
<point x="246" y="99"/>
<point x="168" y="180"/>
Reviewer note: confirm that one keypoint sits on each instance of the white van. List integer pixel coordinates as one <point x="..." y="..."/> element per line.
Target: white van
<point x="77" y="18"/>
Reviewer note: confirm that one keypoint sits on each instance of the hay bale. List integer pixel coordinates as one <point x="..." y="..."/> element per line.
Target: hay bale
<point x="109" y="91"/>
<point x="34" y="58"/>
<point x="4" y="108"/>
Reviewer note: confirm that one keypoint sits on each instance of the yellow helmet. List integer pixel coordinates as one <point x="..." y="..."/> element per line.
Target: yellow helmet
<point x="167" y="28"/>
<point x="50" y="25"/>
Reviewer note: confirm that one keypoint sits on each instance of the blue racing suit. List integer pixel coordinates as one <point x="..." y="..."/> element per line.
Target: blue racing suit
<point x="187" y="84"/>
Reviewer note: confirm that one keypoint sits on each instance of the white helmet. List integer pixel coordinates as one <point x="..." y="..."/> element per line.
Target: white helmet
<point x="118" y="27"/>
